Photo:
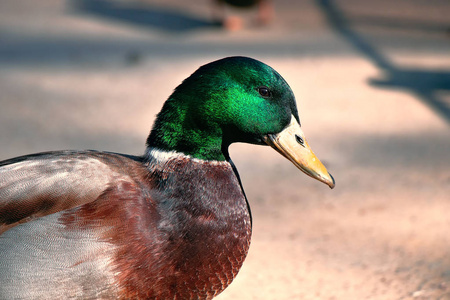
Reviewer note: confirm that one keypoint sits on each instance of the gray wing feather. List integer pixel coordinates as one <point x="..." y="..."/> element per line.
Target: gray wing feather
<point x="37" y="185"/>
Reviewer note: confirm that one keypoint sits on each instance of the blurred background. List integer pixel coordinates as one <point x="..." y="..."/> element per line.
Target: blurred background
<point x="372" y="82"/>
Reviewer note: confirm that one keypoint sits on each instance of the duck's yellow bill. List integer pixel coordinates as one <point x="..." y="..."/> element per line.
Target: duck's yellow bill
<point x="291" y="143"/>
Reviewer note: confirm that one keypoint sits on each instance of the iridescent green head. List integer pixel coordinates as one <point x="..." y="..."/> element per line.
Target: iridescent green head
<point x="235" y="99"/>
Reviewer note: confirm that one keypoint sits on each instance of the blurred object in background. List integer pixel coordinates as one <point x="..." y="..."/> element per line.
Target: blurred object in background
<point x="232" y="22"/>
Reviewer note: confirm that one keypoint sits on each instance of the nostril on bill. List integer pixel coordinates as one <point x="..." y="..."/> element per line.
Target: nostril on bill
<point x="300" y="140"/>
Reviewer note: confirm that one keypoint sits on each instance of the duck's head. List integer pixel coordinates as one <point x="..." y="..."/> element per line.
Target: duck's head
<point x="235" y="99"/>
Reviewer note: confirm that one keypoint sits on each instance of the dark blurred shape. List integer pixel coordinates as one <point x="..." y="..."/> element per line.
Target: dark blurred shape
<point x="422" y="83"/>
<point x="133" y="58"/>
<point x="143" y="14"/>
<point x="241" y="3"/>
<point x="264" y="9"/>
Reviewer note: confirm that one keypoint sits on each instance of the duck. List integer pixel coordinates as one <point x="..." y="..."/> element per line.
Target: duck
<point x="173" y="223"/>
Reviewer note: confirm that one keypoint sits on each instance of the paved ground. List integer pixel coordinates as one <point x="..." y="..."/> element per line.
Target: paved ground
<point x="372" y="80"/>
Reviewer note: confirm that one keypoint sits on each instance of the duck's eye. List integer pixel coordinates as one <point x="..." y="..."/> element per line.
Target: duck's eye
<point x="264" y="91"/>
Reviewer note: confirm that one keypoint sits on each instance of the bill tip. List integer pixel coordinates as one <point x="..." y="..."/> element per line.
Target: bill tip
<point x="331" y="184"/>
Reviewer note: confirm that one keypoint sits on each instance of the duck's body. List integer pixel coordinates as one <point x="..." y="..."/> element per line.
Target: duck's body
<point x="104" y="244"/>
<point x="171" y="224"/>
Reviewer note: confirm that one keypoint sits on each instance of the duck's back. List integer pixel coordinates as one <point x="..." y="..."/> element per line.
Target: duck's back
<point x="109" y="226"/>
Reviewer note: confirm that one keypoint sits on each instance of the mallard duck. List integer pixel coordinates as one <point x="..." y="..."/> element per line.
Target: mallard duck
<point x="173" y="223"/>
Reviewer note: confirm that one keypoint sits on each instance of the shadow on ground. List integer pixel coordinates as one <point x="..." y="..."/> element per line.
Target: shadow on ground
<point x="422" y="83"/>
<point x="143" y="15"/>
